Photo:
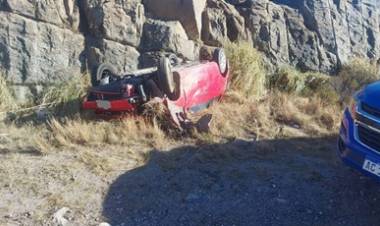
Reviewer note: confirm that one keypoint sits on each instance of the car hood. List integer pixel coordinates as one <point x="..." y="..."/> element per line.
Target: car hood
<point x="371" y="95"/>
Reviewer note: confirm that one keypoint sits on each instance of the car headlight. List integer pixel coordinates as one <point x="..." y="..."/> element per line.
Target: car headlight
<point x="353" y="104"/>
<point x="353" y="108"/>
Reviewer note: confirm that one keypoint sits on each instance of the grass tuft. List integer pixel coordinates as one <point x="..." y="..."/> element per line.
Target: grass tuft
<point x="248" y="74"/>
<point x="305" y="84"/>
<point x="70" y="133"/>
<point x="7" y="100"/>
<point x="354" y="76"/>
<point x="67" y="91"/>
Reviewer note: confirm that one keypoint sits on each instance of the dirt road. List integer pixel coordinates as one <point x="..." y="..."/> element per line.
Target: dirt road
<point x="278" y="182"/>
<point x="295" y="181"/>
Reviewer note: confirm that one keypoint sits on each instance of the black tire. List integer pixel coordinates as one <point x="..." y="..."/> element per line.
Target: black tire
<point x="105" y="70"/>
<point x="166" y="79"/>
<point x="219" y="56"/>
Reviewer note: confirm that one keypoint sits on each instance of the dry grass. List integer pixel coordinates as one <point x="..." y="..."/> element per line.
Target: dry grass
<point x="276" y="116"/>
<point x="353" y="76"/>
<point x="248" y="74"/>
<point x="66" y="91"/>
<point x="71" y="133"/>
<point x="7" y="101"/>
<point x="64" y="99"/>
<point x="20" y="139"/>
<point x="306" y="84"/>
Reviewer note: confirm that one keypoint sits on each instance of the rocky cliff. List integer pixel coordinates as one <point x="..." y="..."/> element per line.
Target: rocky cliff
<point x="44" y="41"/>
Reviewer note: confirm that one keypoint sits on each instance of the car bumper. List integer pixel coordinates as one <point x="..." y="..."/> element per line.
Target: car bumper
<point x="351" y="151"/>
<point x="104" y="106"/>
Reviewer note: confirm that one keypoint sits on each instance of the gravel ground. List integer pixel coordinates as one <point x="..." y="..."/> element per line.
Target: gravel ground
<point x="295" y="181"/>
<point x="279" y="182"/>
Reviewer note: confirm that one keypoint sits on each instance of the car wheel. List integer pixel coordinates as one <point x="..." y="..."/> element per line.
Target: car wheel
<point x="166" y="81"/>
<point x="174" y="61"/>
<point x="220" y="58"/>
<point x="105" y="74"/>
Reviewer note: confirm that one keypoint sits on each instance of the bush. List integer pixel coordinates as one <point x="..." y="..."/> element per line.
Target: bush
<point x="248" y="74"/>
<point x="305" y="84"/>
<point x="353" y="76"/>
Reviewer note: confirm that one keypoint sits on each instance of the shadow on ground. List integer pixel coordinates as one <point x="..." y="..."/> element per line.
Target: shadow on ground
<point x="274" y="182"/>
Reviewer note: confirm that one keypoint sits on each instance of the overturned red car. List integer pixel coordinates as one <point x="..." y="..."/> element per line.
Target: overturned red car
<point x="182" y="87"/>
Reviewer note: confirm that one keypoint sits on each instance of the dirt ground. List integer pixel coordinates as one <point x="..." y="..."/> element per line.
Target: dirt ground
<point x="295" y="181"/>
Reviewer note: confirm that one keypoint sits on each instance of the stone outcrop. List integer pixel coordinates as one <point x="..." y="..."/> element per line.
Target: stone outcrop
<point x="316" y="35"/>
<point x="42" y="42"/>
<point x="221" y="22"/>
<point x="38" y="52"/>
<point x="113" y="31"/>
<point x="189" y="13"/>
<point x="169" y="37"/>
<point x="63" y="13"/>
<point x="120" y="21"/>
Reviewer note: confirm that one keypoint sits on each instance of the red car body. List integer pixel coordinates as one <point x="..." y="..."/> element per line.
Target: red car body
<point x="198" y="84"/>
<point x="201" y="83"/>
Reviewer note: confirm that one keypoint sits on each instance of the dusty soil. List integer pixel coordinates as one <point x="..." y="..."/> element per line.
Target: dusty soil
<point x="295" y="181"/>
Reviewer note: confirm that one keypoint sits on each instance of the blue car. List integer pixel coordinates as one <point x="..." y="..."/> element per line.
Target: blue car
<point x="359" y="136"/>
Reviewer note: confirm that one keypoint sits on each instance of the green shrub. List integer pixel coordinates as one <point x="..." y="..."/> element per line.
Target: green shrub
<point x="248" y="74"/>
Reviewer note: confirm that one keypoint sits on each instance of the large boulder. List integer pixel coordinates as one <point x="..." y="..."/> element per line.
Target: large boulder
<point x="314" y="34"/>
<point x="120" y="21"/>
<point x="34" y="52"/>
<point x="188" y="12"/>
<point x="170" y="37"/>
<point x="221" y="22"/>
<point x="63" y="13"/>
<point x="304" y="46"/>
<point x="268" y="28"/>
<point x="357" y="30"/>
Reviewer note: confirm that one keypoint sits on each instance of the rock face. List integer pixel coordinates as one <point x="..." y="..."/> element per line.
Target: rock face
<point x="315" y="34"/>
<point x="33" y="51"/>
<point x="120" y="21"/>
<point x="188" y="12"/>
<point x="42" y="42"/>
<point x="169" y="37"/>
<point x="221" y="21"/>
